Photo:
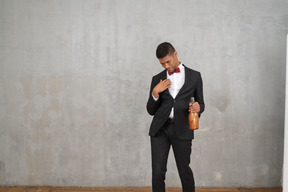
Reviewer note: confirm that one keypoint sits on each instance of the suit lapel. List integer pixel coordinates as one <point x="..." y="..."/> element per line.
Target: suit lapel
<point x="183" y="88"/>
<point x="163" y="76"/>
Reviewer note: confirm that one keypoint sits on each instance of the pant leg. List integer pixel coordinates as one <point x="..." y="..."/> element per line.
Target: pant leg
<point x="182" y="151"/>
<point x="160" y="146"/>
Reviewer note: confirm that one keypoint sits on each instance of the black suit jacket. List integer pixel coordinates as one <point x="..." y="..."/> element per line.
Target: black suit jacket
<point x="161" y="108"/>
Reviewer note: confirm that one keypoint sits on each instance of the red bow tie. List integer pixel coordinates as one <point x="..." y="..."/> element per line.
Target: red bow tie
<point x="177" y="70"/>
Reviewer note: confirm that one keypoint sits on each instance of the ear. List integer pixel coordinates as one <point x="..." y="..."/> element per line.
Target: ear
<point x="175" y="54"/>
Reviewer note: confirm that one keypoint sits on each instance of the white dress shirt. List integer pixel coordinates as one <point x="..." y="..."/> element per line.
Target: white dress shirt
<point x="177" y="81"/>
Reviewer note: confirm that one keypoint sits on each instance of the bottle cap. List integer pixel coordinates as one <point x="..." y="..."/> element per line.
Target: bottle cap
<point x="192" y="99"/>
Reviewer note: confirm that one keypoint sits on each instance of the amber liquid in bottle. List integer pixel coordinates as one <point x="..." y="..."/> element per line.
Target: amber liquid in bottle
<point x="193" y="118"/>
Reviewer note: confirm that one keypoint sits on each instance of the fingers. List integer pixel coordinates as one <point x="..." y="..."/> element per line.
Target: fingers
<point x="161" y="86"/>
<point x="164" y="84"/>
<point x="165" y="81"/>
<point x="194" y="107"/>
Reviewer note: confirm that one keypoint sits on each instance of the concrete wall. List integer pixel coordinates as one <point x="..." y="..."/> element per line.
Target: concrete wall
<point x="75" y="77"/>
<point x="285" y="153"/>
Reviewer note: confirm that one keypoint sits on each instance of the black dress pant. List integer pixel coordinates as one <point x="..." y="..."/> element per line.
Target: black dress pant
<point x="160" y="146"/>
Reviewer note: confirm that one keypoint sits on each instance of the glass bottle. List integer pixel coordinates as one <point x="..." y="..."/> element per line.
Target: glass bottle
<point x="193" y="118"/>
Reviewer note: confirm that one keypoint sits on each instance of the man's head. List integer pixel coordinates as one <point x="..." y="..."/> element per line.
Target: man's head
<point x="164" y="49"/>
<point x="167" y="56"/>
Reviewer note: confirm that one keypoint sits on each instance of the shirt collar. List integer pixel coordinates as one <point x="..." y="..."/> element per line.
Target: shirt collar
<point x="181" y="67"/>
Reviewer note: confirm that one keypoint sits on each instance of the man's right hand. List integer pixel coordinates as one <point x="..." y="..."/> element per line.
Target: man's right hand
<point x="160" y="87"/>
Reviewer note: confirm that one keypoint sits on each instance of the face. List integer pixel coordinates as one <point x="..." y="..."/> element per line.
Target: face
<point x="170" y="62"/>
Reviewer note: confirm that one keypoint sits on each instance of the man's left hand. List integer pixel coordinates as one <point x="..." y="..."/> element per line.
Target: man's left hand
<point x="194" y="107"/>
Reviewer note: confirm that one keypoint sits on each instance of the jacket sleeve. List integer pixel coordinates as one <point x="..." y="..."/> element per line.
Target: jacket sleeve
<point x="199" y="94"/>
<point x="152" y="105"/>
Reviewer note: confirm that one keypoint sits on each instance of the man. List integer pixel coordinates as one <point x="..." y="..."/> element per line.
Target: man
<point x="169" y="103"/>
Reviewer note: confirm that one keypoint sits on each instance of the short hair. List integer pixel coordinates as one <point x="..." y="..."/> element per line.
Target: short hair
<point x="164" y="49"/>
